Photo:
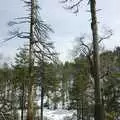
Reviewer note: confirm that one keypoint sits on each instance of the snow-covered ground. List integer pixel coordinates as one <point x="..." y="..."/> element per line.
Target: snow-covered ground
<point x="59" y="114"/>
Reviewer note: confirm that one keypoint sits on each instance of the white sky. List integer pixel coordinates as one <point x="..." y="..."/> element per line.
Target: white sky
<point x="66" y="25"/>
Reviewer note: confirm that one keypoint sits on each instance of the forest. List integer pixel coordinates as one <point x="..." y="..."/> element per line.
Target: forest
<point x="38" y="85"/>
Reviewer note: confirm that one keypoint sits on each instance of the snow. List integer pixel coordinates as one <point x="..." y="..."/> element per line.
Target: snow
<point x="58" y="114"/>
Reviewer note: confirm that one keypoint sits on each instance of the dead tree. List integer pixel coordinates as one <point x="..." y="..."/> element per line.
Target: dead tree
<point x="38" y="45"/>
<point x="74" y="5"/>
<point x="87" y="50"/>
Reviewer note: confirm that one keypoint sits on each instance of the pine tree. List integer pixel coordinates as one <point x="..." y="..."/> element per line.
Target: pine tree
<point x="38" y="45"/>
<point x="21" y="76"/>
<point x="79" y="87"/>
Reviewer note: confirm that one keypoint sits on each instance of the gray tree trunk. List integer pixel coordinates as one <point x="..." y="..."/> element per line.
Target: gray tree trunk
<point x="63" y="93"/>
<point x="82" y="108"/>
<point x="98" y="103"/>
<point x="42" y="98"/>
<point x="42" y="86"/>
<point x="78" y="110"/>
<point x="22" y="103"/>
<point x="30" y="87"/>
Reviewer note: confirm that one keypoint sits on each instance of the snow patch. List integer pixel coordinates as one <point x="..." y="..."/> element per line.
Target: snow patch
<point x="59" y="114"/>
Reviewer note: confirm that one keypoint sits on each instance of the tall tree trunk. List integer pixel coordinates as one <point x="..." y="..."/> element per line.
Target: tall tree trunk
<point x="78" y="110"/>
<point x="63" y="93"/>
<point x="30" y="104"/>
<point x="42" y="87"/>
<point x="31" y="81"/>
<point x="22" y="103"/>
<point x="98" y="104"/>
<point x="42" y="98"/>
<point x="48" y="101"/>
<point x="82" y="108"/>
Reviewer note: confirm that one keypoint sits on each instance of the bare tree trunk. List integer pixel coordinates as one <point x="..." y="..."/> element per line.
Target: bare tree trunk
<point x="30" y="87"/>
<point x="42" y="98"/>
<point x="78" y="110"/>
<point x="82" y="108"/>
<point x="98" y="103"/>
<point x="42" y="87"/>
<point x="22" y="103"/>
<point x="30" y="104"/>
<point x="63" y="93"/>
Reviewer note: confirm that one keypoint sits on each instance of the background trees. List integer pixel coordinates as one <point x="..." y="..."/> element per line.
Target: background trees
<point x="77" y="86"/>
<point x="91" y="79"/>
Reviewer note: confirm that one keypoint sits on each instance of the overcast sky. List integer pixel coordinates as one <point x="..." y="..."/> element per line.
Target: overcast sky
<point x="66" y="25"/>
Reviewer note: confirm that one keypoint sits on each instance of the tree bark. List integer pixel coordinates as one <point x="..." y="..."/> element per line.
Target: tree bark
<point x="42" y="98"/>
<point x="78" y="110"/>
<point x="98" y="103"/>
<point x="63" y="93"/>
<point x="31" y="81"/>
<point x="22" y="103"/>
<point x="82" y="108"/>
<point x="42" y="87"/>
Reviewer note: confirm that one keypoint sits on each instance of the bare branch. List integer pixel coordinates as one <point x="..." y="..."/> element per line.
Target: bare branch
<point x="107" y="35"/>
<point x="74" y="5"/>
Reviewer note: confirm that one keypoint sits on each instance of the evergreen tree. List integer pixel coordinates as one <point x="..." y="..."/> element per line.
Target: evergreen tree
<point x="79" y="87"/>
<point x="21" y="76"/>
